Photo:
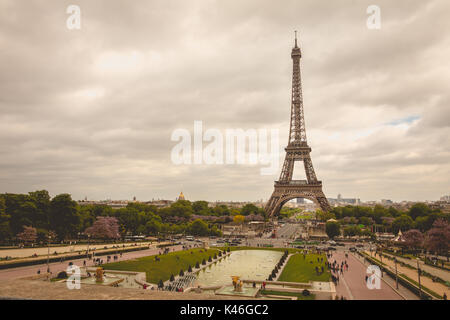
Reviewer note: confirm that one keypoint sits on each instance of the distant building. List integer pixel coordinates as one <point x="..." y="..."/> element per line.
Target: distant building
<point x="339" y="201"/>
<point x="181" y="196"/>
<point x="160" y="203"/>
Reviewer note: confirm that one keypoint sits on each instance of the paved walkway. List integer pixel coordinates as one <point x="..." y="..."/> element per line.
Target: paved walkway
<point x="405" y="292"/>
<point x="437" y="287"/>
<point x="14" y="273"/>
<point x="352" y="284"/>
<point x="441" y="273"/>
<point x="42" y="251"/>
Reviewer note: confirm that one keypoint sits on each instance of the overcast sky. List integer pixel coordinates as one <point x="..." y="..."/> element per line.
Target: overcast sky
<point x="91" y="112"/>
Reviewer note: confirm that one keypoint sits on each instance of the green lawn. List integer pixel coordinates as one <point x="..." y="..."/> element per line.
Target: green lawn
<point x="169" y="264"/>
<point x="299" y="269"/>
<point x="299" y="295"/>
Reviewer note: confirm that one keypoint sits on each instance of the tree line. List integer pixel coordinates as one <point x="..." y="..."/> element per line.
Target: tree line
<point x="65" y="219"/>
<point x="420" y="216"/>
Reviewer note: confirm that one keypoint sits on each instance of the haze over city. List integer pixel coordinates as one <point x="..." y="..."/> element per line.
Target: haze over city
<point x="90" y="112"/>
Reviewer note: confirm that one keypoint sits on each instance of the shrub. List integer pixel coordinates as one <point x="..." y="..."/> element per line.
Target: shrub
<point x="204" y="262"/>
<point x="181" y="273"/>
<point x="172" y="278"/>
<point x="62" y="275"/>
<point x="197" y="265"/>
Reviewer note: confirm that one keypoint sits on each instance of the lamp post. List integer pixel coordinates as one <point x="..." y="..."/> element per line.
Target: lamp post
<point x="396" y="275"/>
<point x="48" y="253"/>
<point x="418" y="274"/>
<point x="87" y="251"/>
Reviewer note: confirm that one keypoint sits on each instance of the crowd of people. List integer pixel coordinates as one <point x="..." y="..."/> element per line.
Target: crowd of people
<point x="336" y="268"/>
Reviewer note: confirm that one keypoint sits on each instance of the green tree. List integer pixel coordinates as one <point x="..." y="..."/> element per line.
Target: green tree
<point x="198" y="228"/>
<point x="404" y="223"/>
<point x="5" y="230"/>
<point x="324" y="216"/>
<point x="41" y="213"/>
<point x="249" y="209"/>
<point x="221" y="210"/>
<point x="64" y="218"/>
<point x="419" y="210"/>
<point x="201" y="208"/>
<point x="332" y="229"/>
<point x="181" y="208"/>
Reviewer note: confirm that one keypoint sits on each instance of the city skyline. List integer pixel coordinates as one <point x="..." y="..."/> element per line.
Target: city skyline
<point x="90" y="112"/>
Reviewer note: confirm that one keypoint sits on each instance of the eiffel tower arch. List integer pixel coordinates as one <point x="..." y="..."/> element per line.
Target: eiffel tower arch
<point x="297" y="149"/>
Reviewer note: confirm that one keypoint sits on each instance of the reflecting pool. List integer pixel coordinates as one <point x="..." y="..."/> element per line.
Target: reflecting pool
<point x="248" y="264"/>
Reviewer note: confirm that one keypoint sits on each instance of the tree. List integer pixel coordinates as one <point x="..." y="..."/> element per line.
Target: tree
<point x="249" y="209"/>
<point x="5" y="230"/>
<point x="201" y="207"/>
<point x="239" y="219"/>
<point x="64" y="218"/>
<point x="41" y="201"/>
<point x="404" y="223"/>
<point x="221" y="210"/>
<point x="324" y="216"/>
<point x="198" y="228"/>
<point x="413" y="238"/>
<point x="104" y="228"/>
<point x="28" y="235"/>
<point x="332" y="229"/>
<point x="419" y="210"/>
<point x="351" y="231"/>
<point x="181" y="208"/>
<point x="438" y="238"/>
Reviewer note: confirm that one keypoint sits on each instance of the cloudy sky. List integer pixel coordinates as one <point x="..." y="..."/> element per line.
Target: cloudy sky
<point x="91" y="111"/>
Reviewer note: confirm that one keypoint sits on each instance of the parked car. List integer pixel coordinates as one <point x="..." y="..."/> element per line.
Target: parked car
<point x="359" y="245"/>
<point x="353" y="249"/>
<point x="331" y="248"/>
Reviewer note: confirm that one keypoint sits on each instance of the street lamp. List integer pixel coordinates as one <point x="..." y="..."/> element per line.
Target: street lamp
<point x="418" y="274"/>
<point x="87" y="251"/>
<point x="396" y="275"/>
<point x="48" y="253"/>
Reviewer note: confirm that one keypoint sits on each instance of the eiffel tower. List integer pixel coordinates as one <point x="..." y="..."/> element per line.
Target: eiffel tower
<point x="296" y="150"/>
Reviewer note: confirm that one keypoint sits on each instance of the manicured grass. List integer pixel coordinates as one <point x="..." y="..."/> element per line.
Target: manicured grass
<point x="299" y="295"/>
<point x="169" y="264"/>
<point x="300" y="268"/>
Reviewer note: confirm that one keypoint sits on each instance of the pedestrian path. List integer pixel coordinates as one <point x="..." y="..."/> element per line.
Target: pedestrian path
<point x="56" y="267"/>
<point x="352" y="283"/>
<point x="437" y="287"/>
<point x="441" y="273"/>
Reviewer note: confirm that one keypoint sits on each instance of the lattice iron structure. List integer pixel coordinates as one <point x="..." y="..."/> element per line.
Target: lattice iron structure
<point x="297" y="150"/>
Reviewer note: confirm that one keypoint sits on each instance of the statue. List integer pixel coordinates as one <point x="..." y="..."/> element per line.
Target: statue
<point x="237" y="284"/>
<point x="99" y="274"/>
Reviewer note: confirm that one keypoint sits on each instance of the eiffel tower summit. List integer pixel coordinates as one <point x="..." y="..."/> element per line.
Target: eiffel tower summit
<point x="297" y="150"/>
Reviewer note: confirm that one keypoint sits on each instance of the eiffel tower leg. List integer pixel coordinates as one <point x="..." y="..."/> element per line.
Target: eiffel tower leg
<point x="323" y="202"/>
<point x="271" y="206"/>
